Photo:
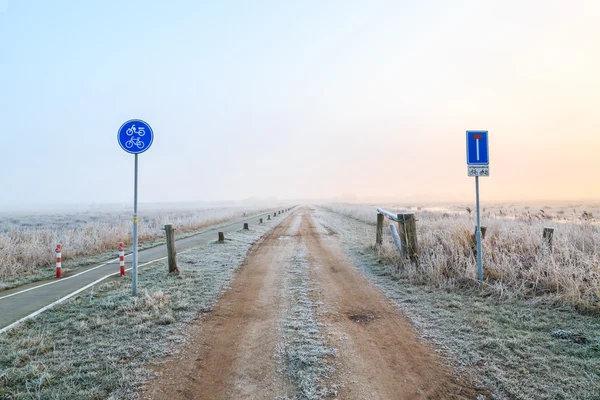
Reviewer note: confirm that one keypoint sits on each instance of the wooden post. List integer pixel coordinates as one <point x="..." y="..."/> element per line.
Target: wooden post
<point x="171" y="251"/>
<point x="274" y="215"/>
<point x="408" y="235"/>
<point x="483" y="232"/>
<point x="548" y="237"/>
<point x="474" y="238"/>
<point x="221" y="237"/>
<point x="396" y="238"/>
<point x="246" y="226"/>
<point x="269" y="217"/>
<point x="261" y="221"/>
<point x="379" y="234"/>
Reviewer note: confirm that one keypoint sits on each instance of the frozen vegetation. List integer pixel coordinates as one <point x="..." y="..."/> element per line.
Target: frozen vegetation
<point x="28" y="240"/>
<point x="523" y="346"/>
<point x="517" y="261"/>
<point x="305" y="348"/>
<point x="97" y="345"/>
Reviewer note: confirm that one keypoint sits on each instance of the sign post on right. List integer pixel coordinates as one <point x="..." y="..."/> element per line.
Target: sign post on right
<point x="478" y="164"/>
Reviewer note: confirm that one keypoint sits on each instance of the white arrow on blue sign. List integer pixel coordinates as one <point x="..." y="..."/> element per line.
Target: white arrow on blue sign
<point x="477" y="148"/>
<point x="135" y="136"/>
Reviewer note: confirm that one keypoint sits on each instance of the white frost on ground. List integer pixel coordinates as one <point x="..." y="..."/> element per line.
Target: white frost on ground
<point x="97" y="344"/>
<point x="509" y="344"/>
<point x="304" y="350"/>
<point x="29" y="240"/>
<point x="294" y="226"/>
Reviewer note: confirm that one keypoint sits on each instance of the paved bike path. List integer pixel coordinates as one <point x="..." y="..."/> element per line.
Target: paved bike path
<point x="20" y="302"/>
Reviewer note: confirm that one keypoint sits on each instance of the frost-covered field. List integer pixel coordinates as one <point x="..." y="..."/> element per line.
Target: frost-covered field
<point x="516" y="261"/>
<point x="28" y="240"/>
<point x="96" y="346"/>
<point x="523" y="349"/>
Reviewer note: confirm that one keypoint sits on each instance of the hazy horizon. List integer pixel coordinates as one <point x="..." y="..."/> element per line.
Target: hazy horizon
<point x="331" y="100"/>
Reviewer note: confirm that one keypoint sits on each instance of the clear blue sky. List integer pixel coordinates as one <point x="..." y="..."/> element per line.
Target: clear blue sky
<point x="297" y="99"/>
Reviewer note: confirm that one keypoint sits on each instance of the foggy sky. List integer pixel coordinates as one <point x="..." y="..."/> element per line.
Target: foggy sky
<point x="307" y="99"/>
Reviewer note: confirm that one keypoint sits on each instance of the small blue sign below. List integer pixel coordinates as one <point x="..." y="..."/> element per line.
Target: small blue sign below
<point x="135" y="136"/>
<point x="478" y="148"/>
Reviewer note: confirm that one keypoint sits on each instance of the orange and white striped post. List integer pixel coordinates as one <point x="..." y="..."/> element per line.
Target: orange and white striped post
<point x="122" y="257"/>
<point x="58" y="252"/>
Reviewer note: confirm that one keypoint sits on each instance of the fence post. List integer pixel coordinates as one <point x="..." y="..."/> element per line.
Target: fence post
<point x="408" y="235"/>
<point x="221" y="237"/>
<point x="261" y="221"/>
<point x="121" y="258"/>
<point x="58" y="252"/>
<point x="246" y="226"/>
<point x="269" y="217"/>
<point x="379" y="234"/>
<point x="396" y="238"/>
<point x="548" y="237"/>
<point x="274" y="214"/>
<point x="474" y="235"/>
<point x="474" y="239"/>
<point x="171" y="251"/>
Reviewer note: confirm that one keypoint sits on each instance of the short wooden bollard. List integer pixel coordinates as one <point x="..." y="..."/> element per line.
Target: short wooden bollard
<point x="246" y="226"/>
<point x="274" y="214"/>
<point x="474" y="239"/>
<point x="548" y="237"/>
<point x="474" y="235"/>
<point x="171" y="250"/>
<point x="221" y="237"/>
<point x="261" y="221"/>
<point x="408" y="235"/>
<point x="269" y="217"/>
<point x="379" y="233"/>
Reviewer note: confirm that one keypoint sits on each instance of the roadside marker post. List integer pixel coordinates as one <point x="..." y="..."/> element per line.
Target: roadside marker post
<point x="135" y="136"/>
<point x="478" y="164"/>
<point x="122" y="258"/>
<point x="58" y="252"/>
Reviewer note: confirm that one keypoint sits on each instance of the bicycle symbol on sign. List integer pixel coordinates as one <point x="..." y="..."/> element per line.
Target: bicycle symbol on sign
<point x="140" y="132"/>
<point x="135" y="140"/>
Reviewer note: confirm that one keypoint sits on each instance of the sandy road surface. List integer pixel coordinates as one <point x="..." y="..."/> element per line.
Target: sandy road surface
<point x="241" y="350"/>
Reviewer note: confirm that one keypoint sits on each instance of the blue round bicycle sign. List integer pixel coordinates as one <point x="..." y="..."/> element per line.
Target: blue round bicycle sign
<point x="135" y="136"/>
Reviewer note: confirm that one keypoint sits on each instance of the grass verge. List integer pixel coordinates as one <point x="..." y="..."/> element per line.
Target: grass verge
<point x="305" y="349"/>
<point x="98" y="345"/>
<point x="82" y="261"/>
<point x="519" y="263"/>
<point x="522" y="349"/>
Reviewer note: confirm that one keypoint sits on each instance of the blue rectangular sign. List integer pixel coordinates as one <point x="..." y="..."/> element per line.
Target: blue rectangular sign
<point x="478" y="148"/>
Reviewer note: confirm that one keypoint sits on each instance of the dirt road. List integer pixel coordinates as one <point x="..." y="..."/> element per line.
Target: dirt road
<point x="301" y="322"/>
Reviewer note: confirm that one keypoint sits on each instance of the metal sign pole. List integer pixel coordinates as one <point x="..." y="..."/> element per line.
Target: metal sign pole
<point x="135" y="229"/>
<point x="478" y="233"/>
<point x="478" y="164"/>
<point x="135" y="136"/>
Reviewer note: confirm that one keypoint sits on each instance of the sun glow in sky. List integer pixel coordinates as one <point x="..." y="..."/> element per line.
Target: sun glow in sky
<point x="308" y="99"/>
